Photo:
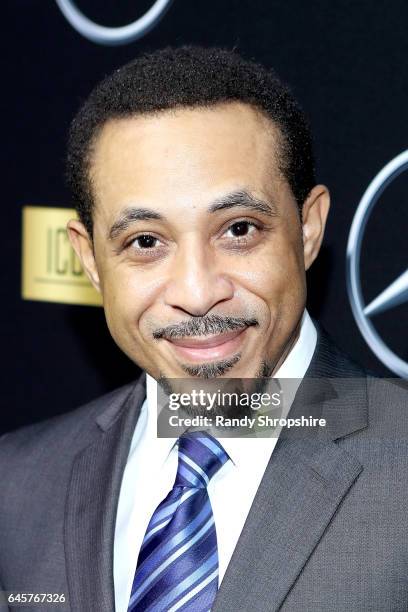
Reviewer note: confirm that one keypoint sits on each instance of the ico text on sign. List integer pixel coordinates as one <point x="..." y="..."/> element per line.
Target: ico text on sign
<point x="51" y="270"/>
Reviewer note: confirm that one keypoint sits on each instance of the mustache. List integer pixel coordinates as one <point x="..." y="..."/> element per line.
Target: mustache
<point x="204" y="326"/>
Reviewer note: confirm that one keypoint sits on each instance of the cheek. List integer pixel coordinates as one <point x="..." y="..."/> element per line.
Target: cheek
<point x="274" y="273"/>
<point x="128" y="296"/>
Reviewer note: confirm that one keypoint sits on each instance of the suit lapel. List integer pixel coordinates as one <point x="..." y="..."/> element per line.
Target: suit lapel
<point x="301" y="489"/>
<point x="305" y="481"/>
<point x="92" y="503"/>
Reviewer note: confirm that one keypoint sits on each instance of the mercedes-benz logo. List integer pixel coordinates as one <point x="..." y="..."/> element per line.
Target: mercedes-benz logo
<point x="394" y="294"/>
<point x="113" y="36"/>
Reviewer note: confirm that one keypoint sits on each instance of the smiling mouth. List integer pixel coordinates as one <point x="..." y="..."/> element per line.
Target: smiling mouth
<point x="208" y="348"/>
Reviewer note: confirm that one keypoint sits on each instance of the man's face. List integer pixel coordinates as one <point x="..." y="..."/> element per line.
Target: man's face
<point x="198" y="249"/>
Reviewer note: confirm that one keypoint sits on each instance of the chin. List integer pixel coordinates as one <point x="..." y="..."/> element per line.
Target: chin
<point x="209" y="370"/>
<point x="233" y="367"/>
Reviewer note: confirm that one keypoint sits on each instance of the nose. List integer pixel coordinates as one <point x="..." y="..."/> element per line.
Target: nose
<point x="196" y="285"/>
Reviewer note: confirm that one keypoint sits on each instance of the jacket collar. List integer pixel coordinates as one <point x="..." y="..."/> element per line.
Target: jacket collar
<point x="93" y="493"/>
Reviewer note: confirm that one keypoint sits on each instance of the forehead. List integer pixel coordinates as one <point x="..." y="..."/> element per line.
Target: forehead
<point x="185" y="154"/>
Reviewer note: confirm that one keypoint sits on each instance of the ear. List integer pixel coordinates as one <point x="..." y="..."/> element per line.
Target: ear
<point x="83" y="247"/>
<point x="314" y="215"/>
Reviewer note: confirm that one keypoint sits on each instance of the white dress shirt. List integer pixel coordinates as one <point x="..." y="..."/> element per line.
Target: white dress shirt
<point x="151" y="470"/>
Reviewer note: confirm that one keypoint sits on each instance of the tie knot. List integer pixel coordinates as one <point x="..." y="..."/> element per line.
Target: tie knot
<point x="200" y="456"/>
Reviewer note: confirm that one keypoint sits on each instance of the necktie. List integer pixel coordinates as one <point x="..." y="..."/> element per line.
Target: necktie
<point x="177" y="568"/>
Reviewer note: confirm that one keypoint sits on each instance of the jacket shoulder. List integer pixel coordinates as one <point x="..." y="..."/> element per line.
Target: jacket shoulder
<point x="330" y="361"/>
<point x="70" y="430"/>
<point x="388" y="405"/>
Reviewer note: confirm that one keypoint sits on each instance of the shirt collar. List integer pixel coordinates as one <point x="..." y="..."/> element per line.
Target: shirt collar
<point x="162" y="446"/>
<point x="300" y="356"/>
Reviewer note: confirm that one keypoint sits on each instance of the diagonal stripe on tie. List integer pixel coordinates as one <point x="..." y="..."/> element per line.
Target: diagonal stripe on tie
<point x="166" y="516"/>
<point x="173" y="538"/>
<point x="177" y="567"/>
<point x="149" y="574"/>
<point x="191" y="584"/>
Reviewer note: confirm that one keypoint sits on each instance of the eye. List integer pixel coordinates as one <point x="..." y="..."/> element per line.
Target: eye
<point x="241" y="229"/>
<point x="144" y="247"/>
<point x="145" y="241"/>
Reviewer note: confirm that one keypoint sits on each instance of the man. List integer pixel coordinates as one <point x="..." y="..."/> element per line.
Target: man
<point x="199" y="214"/>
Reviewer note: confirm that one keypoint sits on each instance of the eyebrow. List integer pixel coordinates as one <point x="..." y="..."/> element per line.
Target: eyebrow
<point x="235" y="199"/>
<point x="129" y="216"/>
<point x="243" y="199"/>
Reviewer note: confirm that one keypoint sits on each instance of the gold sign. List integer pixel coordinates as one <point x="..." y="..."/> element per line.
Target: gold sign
<point x="51" y="270"/>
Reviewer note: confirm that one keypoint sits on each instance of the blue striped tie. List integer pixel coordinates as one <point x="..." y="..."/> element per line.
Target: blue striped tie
<point x="177" y="568"/>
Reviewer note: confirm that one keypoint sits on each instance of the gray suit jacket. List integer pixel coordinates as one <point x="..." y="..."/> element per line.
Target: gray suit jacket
<point x="327" y="530"/>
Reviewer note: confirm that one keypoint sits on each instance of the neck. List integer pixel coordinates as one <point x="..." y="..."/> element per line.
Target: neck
<point x="294" y="336"/>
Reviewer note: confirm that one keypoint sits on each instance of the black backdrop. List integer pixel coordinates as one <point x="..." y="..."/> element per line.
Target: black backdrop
<point x="345" y="60"/>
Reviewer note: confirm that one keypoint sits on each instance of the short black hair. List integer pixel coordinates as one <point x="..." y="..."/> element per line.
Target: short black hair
<point x="189" y="76"/>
